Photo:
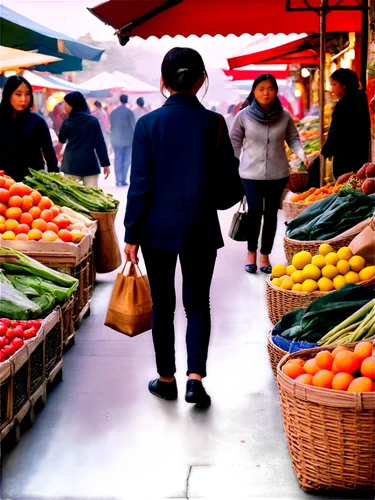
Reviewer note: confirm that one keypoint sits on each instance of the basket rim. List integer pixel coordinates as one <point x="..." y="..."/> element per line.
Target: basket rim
<point x="320" y="242"/>
<point x="326" y="397"/>
<point x="292" y="292"/>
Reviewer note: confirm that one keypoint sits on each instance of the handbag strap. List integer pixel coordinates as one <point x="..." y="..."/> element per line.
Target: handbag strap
<point x="130" y="268"/>
<point x="243" y="204"/>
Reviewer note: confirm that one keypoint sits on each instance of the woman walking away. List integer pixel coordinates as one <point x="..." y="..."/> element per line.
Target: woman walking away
<point x="349" y="134"/>
<point x="258" y="134"/>
<point x="171" y="213"/>
<point x="85" y="142"/>
<point x="25" y="141"/>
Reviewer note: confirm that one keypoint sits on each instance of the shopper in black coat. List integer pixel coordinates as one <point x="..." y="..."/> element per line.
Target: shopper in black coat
<point x="85" y="142"/>
<point x="349" y="135"/>
<point x="25" y="140"/>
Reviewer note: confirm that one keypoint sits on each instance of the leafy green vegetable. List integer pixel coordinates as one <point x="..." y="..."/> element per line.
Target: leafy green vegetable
<point x="46" y="302"/>
<point x="13" y="304"/>
<point x="32" y="286"/>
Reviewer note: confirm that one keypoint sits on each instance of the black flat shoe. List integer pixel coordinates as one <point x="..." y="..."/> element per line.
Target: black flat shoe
<point x="251" y="268"/>
<point x="266" y="269"/>
<point x="163" y="390"/>
<point x="195" y="393"/>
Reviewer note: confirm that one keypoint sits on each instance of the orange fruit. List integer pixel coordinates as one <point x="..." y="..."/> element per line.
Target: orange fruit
<point x="323" y="379"/>
<point x="361" y="384"/>
<point x="26" y="218"/>
<point x="15" y="201"/>
<point x="8" y="182"/>
<point x="36" y="196"/>
<point x="341" y="381"/>
<point x="2" y="227"/>
<point x="13" y="213"/>
<point x="35" y="212"/>
<point x="334" y="369"/>
<point x="27" y="203"/>
<point x="9" y="235"/>
<point x="11" y="224"/>
<point x="311" y="367"/>
<point x="2" y="181"/>
<point x="293" y="370"/>
<point x="305" y="379"/>
<point x="15" y="189"/>
<point x="339" y="349"/>
<point x="21" y="228"/>
<point x="65" y="235"/>
<point x="39" y="224"/>
<point x="347" y="361"/>
<point x="299" y="361"/>
<point x="4" y="195"/>
<point x="47" y="215"/>
<point x="324" y="360"/>
<point x="55" y="211"/>
<point x="363" y="350"/>
<point x="35" y="234"/>
<point x="22" y="236"/>
<point x="368" y="367"/>
<point x="3" y="208"/>
<point x="45" y="203"/>
<point x="26" y="190"/>
<point x="51" y="226"/>
<point x="49" y="236"/>
<point x="2" y="219"/>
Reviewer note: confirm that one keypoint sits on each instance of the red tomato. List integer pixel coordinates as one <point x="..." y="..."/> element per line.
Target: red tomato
<point x="17" y="343"/>
<point x="26" y="190"/>
<point x="36" y="196"/>
<point x="61" y="222"/>
<point x="15" y="201"/>
<point x="4" y="195"/>
<point x="18" y="331"/>
<point x="3" y="208"/>
<point x="29" y="323"/>
<point x="51" y="226"/>
<point x="27" y="203"/>
<point x="65" y="235"/>
<point x="6" y="321"/>
<point x="45" y="203"/>
<point x="55" y="211"/>
<point x="3" y="356"/>
<point x="14" y="323"/>
<point x="10" y="333"/>
<point x="21" y="229"/>
<point x="3" y="342"/>
<point x="26" y="218"/>
<point x="15" y="190"/>
<point x="47" y="215"/>
<point x="9" y="350"/>
<point x="3" y="328"/>
<point x="29" y="333"/>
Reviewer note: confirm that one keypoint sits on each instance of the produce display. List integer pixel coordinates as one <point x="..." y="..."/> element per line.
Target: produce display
<point x="332" y="216"/>
<point x="14" y="333"/>
<point x="30" y="289"/>
<point x="308" y="129"/>
<point x="67" y="192"/>
<point x="324" y="272"/>
<point x="363" y="180"/>
<point x="27" y="215"/>
<point x="342" y="369"/>
<point x="316" y="194"/>
<point x="322" y="316"/>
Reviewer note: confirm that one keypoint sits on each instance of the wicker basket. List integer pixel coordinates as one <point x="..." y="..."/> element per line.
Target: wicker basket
<point x="293" y="210"/>
<point x="280" y="301"/>
<point x="291" y="247"/>
<point x="275" y="353"/>
<point x="298" y="181"/>
<point x="330" y="434"/>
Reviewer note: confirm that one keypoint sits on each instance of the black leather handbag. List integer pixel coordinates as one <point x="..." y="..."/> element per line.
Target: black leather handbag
<point x="238" y="229"/>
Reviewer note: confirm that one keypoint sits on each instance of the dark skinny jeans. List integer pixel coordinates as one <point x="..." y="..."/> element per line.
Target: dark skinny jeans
<point x="263" y="200"/>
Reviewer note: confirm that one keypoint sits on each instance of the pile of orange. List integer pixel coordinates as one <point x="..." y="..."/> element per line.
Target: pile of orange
<point x="341" y="369"/>
<point x="27" y="215"/>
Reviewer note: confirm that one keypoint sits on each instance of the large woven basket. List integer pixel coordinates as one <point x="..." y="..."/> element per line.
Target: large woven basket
<point x="330" y="434"/>
<point x="293" y="210"/>
<point x="275" y="353"/>
<point x="298" y="181"/>
<point x="291" y="247"/>
<point x="280" y="301"/>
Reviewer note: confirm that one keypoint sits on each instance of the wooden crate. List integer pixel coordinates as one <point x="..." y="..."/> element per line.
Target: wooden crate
<point x="67" y="319"/>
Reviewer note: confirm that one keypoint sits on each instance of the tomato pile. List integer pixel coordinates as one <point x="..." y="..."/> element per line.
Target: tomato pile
<point x="13" y="334"/>
<point x="27" y="215"/>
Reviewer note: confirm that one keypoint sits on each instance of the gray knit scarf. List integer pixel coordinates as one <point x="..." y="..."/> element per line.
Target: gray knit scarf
<point x="258" y="113"/>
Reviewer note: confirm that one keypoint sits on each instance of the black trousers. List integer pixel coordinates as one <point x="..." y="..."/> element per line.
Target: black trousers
<point x="197" y="271"/>
<point x="263" y="200"/>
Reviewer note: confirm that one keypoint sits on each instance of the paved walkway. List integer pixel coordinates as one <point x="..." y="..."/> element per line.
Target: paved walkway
<point x="102" y="435"/>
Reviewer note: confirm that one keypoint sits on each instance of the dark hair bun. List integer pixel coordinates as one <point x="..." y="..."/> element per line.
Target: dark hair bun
<point x="182" y="68"/>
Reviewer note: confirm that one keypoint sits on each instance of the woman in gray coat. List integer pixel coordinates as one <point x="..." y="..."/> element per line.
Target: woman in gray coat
<point x="258" y="136"/>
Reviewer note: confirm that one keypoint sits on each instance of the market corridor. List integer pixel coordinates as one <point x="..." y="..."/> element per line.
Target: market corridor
<point x="103" y="436"/>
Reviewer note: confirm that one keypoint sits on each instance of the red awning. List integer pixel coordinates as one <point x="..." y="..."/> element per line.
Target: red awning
<point x="303" y="51"/>
<point x="237" y="75"/>
<point x="212" y="17"/>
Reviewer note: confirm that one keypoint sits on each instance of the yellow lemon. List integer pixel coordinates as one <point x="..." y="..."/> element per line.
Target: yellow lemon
<point x="332" y="258"/>
<point x="339" y="281"/>
<point x="311" y="272"/>
<point x="352" y="277"/>
<point x="357" y="263"/>
<point x="287" y="284"/>
<point x="309" y="286"/>
<point x="345" y="253"/>
<point x="324" y="249"/>
<point x="9" y="235"/>
<point x="297" y="287"/>
<point x="318" y="261"/>
<point x="366" y="274"/>
<point x="325" y="285"/>
<point x="278" y="270"/>
<point x="290" y="270"/>
<point x="297" y="277"/>
<point x="343" y="266"/>
<point x="276" y="281"/>
<point x="301" y="259"/>
<point x="282" y="278"/>
<point x="329" y="272"/>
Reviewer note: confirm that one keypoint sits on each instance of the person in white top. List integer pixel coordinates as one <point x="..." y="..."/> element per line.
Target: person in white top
<point x="139" y="109"/>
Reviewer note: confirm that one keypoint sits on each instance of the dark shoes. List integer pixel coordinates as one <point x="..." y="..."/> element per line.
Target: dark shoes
<point x="163" y="390"/>
<point x="266" y="269"/>
<point x="195" y="393"/>
<point x="251" y="268"/>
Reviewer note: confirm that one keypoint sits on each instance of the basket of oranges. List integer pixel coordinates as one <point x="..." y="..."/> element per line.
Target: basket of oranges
<point x="328" y="406"/>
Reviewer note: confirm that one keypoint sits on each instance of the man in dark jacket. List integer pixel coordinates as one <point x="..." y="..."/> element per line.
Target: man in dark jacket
<point x="122" y="131"/>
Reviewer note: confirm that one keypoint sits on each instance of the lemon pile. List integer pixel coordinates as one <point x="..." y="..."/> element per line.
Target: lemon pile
<point x="324" y="272"/>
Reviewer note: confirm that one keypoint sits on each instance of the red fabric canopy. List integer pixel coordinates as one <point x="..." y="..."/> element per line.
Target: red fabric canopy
<point x="237" y="75"/>
<point x="224" y="17"/>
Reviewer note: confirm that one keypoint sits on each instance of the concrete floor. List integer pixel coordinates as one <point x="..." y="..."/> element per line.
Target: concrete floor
<point x="103" y="436"/>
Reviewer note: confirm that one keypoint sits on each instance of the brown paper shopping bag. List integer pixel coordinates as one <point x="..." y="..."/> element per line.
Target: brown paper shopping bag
<point x="130" y="307"/>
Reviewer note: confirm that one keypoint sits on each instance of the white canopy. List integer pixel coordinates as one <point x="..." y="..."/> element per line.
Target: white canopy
<point x="120" y="81"/>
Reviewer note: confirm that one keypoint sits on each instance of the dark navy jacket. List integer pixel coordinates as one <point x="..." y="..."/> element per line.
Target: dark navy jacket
<point x="85" y="145"/>
<point x="177" y="152"/>
<point x="122" y="127"/>
<point x="25" y="142"/>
